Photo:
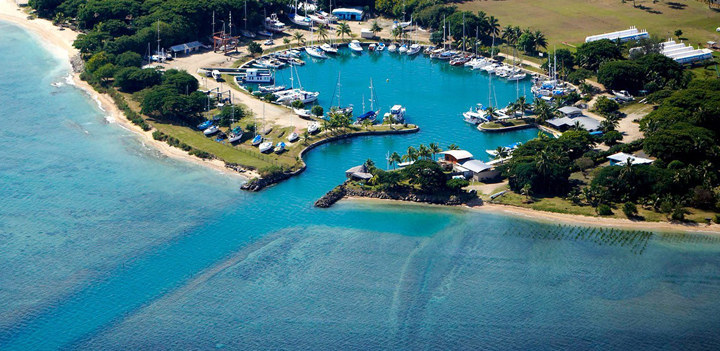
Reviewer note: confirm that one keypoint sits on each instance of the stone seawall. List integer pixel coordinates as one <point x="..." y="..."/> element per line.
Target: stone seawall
<point x="342" y="191"/>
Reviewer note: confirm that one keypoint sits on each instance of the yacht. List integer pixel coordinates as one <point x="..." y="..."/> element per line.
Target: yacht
<point x="414" y="49"/>
<point x="475" y="115"/>
<point x="266" y="147"/>
<point x="211" y="130"/>
<point x="273" y="24"/>
<point x="396" y="115"/>
<point x="313" y="127"/>
<point x="235" y="135"/>
<point x="355" y="46"/>
<point x="329" y="49"/>
<point x="280" y="147"/>
<point x="260" y="76"/>
<point x="380" y="47"/>
<point x="315" y="52"/>
<point x="517" y="76"/>
<point x="302" y="112"/>
<point x="293" y="137"/>
<point x="305" y="96"/>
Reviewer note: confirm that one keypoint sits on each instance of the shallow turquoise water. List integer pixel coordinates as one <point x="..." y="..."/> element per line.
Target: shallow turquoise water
<point x="106" y="245"/>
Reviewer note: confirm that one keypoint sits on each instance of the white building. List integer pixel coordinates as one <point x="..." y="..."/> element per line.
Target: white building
<point x="621" y="159"/>
<point x="682" y="53"/>
<point x="623" y="35"/>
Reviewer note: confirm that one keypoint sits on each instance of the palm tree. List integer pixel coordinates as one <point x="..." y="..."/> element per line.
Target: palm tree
<point x="608" y="125"/>
<point x="501" y="152"/>
<point x="396" y="32"/>
<point x="522" y="105"/>
<point x="375" y="28"/>
<point x="424" y="152"/>
<point x="539" y="40"/>
<point x="453" y="147"/>
<point x="627" y="172"/>
<point x="491" y="111"/>
<point x="493" y="26"/>
<point x="343" y="29"/>
<point x="394" y="159"/>
<point x="435" y="149"/>
<point x="299" y="37"/>
<point x="322" y="32"/>
<point x="412" y="154"/>
<point x="577" y="126"/>
<point x="526" y="191"/>
<point x="286" y="41"/>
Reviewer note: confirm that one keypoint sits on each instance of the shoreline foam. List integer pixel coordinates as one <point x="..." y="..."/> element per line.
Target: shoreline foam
<point x="59" y="43"/>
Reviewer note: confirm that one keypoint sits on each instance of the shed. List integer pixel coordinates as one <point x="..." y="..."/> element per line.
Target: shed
<point x="348" y="14"/>
<point x="456" y="156"/>
<point x="477" y="170"/>
<point x="186" y="48"/>
<point x="358" y="173"/>
<point x="621" y="159"/>
<point x="565" y="123"/>
<point x="570" y="111"/>
<point x="366" y="34"/>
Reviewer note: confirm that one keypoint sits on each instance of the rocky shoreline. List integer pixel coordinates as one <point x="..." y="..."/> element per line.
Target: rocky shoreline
<point x="343" y="190"/>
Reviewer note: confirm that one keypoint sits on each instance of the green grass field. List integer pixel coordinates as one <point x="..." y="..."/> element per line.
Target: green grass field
<point x="570" y="21"/>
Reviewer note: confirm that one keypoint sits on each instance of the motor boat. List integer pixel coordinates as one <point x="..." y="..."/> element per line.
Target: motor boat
<point x="396" y="115"/>
<point x="257" y="140"/>
<point x="266" y="147"/>
<point x="392" y="48"/>
<point x="414" y="49"/>
<point x="372" y="47"/>
<point x="271" y="89"/>
<point x="301" y="21"/>
<point x="260" y="76"/>
<point x="380" y="47"/>
<point x="459" y="61"/>
<point x="313" y="127"/>
<point x="329" y="49"/>
<point x="315" y="52"/>
<point x="293" y="137"/>
<point x="355" y="46"/>
<point x="280" y="147"/>
<point x="475" y="115"/>
<point x="402" y="49"/>
<point x="517" y="76"/>
<point x="235" y="135"/>
<point x="264" y="33"/>
<point x="211" y="130"/>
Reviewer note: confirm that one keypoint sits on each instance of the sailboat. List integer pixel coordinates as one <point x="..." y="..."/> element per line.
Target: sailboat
<point x="313" y="50"/>
<point x="372" y="114"/>
<point x="258" y="138"/>
<point x="348" y="110"/>
<point x="302" y="21"/>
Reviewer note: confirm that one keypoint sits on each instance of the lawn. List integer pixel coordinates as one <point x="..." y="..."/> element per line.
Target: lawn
<point x="570" y="21"/>
<point x="509" y="123"/>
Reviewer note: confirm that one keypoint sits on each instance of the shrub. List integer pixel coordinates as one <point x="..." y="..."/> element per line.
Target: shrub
<point x="717" y="219"/>
<point x="269" y="170"/>
<point x="678" y="213"/>
<point x="457" y="184"/>
<point x="604" y="210"/>
<point x="630" y="209"/>
<point x="201" y="154"/>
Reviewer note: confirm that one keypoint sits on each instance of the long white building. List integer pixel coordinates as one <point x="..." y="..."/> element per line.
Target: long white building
<point x="682" y="53"/>
<point x="623" y="35"/>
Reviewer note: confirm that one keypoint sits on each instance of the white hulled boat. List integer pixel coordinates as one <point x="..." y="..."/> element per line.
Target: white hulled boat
<point x="355" y="46"/>
<point x="329" y="48"/>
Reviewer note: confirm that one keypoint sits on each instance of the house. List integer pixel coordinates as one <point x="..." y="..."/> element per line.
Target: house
<point x="186" y="48"/>
<point x="348" y="14"/>
<point x="565" y="123"/>
<point x="621" y="159"/>
<point x="366" y="34"/>
<point x="476" y="170"/>
<point x="456" y="156"/>
<point x="358" y="173"/>
<point x="570" y="111"/>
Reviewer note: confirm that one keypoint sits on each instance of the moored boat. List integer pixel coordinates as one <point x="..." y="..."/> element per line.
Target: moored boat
<point x="414" y="49"/>
<point x="315" y="52"/>
<point x="380" y="47"/>
<point x="355" y="46"/>
<point x="396" y="115"/>
<point x="329" y="49"/>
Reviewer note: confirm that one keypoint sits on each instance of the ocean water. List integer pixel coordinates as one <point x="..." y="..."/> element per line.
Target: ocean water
<point x="107" y="245"/>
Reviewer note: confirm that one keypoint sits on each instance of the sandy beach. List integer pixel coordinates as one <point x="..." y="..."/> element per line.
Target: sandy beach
<point x="552" y="217"/>
<point x="59" y="43"/>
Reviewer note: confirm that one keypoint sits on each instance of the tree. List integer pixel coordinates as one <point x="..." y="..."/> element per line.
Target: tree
<point x="526" y="191"/>
<point x="322" y="32"/>
<point x="621" y="75"/>
<point x="132" y="79"/>
<point x="522" y="105"/>
<point x="427" y="175"/>
<point x="501" y="152"/>
<point x="539" y="40"/>
<point x="105" y="71"/>
<point x="396" y="32"/>
<point x="98" y="60"/>
<point x="436" y="38"/>
<point x="678" y="33"/>
<point x="435" y="149"/>
<point x="254" y="48"/>
<point x="375" y="28"/>
<point x="453" y="147"/>
<point x="411" y="155"/>
<point x="394" y="159"/>
<point x="183" y="82"/>
<point x="423" y="152"/>
<point x="128" y="59"/>
<point x="456" y="184"/>
<point x="299" y="38"/>
<point x="286" y="41"/>
<point x="343" y="29"/>
<point x="605" y="106"/>
<point x="317" y="110"/>
<point x="591" y="55"/>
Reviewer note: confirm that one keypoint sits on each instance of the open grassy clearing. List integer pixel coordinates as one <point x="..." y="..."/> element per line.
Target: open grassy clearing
<point x="571" y="21"/>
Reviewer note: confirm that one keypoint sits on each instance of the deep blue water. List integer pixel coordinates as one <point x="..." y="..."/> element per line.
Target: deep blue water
<point x="104" y="244"/>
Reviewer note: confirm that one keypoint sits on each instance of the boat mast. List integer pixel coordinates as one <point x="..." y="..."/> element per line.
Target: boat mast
<point x="463" y="37"/>
<point x="245" y="16"/>
<point x="476" y="39"/>
<point x="230" y="25"/>
<point x="158" y="40"/>
<point x="372" y="105"/>
<point x="443" y="32"/>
